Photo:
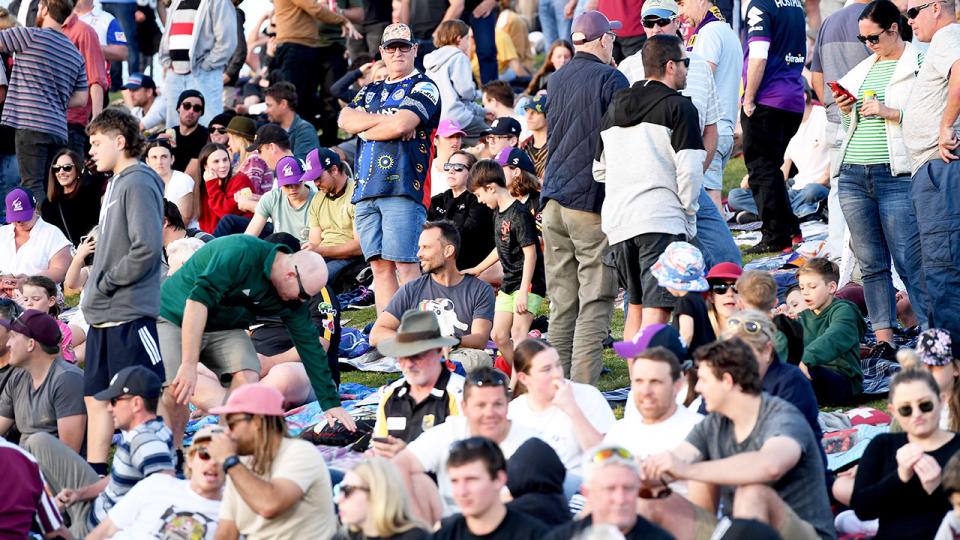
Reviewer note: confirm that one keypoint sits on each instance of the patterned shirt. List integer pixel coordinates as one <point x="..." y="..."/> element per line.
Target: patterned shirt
<point x="48" y="70"/>
<point x="537" y="155"/>
<point x="395" y="167"/>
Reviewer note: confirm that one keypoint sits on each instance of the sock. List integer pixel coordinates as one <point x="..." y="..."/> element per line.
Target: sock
<point x="179" y="464"/>
<point x="99" y="468"/>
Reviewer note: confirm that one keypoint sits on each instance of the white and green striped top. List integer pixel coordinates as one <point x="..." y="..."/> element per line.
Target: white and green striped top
<point x="868" y="146"/>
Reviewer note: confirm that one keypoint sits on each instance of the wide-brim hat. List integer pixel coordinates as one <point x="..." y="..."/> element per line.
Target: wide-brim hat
<point x="419" y="331"/>
<point x="243" y="126"/>
<point x="680" y="267"/>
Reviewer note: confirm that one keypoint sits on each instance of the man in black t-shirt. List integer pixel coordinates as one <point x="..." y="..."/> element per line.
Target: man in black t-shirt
<point x="190" y="135"/>
<point x="478" y="473"/>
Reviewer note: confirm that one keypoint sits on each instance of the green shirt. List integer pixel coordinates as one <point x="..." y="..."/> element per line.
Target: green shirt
<point x="275" y="206"/>
<point x="868" y="145"/>
<point x="231" y="276"/>
<point x="832" y="339"/>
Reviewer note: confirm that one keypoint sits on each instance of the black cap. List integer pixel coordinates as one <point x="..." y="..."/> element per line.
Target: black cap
<point x="505" y="125"/>
<point x="267" y="134"/>
<point x="132" y="381"/>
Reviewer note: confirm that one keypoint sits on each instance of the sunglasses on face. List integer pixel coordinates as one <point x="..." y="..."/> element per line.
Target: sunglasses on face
<point x="57" y="168"/>
<point x="343" y="491"/>
<point x="874" y="39"/>
<point x="303" y="292"/>
<point x="237" y="419"/>
<point x="456" y="167"/>
<point x="219" y="130"/>
<point x="906" y="411"/>
<point x="202" y="453"/>
<point x="652" y="22"/>
<point x="722" y="288"/>
<point x="913" y="12"/>
<point x="394" y="49"/>
<point x="611" y="35"/>
<point x="195" y="106"/>
<point x="684" y="61"/>
<point x="114" y="401"/>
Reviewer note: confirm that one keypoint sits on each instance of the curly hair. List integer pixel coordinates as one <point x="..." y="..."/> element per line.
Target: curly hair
<point x="117" y="121"/>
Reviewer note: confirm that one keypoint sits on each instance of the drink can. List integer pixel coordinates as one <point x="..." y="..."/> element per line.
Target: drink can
<point x="870" y="94"/>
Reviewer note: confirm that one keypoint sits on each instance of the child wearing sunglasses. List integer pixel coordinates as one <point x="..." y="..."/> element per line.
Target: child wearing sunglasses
<point x="680" y="270"/>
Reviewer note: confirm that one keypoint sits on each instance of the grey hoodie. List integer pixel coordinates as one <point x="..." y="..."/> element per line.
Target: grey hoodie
<point x="449" y="68"/>
<point x="124" y="283"/>
<point x="214" y="35"/>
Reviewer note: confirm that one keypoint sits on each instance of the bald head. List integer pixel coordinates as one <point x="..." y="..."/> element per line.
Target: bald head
<point x="303" y="268"/>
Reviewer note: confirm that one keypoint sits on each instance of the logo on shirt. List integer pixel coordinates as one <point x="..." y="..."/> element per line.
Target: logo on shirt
<point x="447" y="317"/>
<point x="754" y="18"/>
<point x="428" y="421"/>
<point x="429" y="90"/>
<point x="183" y="524"/>
<point x="120" y="37"/>
<point x="794" y="59"/>
<point x="397" y="94"/>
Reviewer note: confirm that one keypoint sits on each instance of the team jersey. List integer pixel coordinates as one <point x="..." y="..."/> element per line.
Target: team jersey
<point x="782" y="25"/>
<point x="395" y="167"/>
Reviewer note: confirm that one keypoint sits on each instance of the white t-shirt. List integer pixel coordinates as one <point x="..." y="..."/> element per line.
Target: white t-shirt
<point x="438" y="178"/>
<point x="555" y="427"/>
<point x="432" y="448"/>
<point x="808" y="149"/>
<point x="180" y="184"/>
<point x="161" y="506"/>
<point x="33" y="256"/>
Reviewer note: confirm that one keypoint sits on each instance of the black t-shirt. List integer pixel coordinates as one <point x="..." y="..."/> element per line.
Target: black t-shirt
<point x="642" y="530"/>
<point x="695" y="306"/>
<point x="188" y="147"/>
<point x="412" y="534"/>
<point x="515" y="229"/>
<point x="425" y="16"/>
<point x="474" y="221"/>
<point x="377" y="11"/>
<point x="76" y="215"/>
<point x="515" y="526"/>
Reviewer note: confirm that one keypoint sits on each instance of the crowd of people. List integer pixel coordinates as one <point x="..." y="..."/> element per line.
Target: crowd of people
<point x="216" y="216"/>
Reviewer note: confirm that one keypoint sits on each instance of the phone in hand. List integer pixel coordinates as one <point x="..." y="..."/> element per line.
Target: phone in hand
<point x="384" y="440"/>
<point x="837" y="89"/>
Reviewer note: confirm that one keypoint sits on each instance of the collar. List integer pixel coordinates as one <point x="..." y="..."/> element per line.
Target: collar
<point x="71" y="20"/>
<point x="713" y="14"/>
<point x="405" y="77"/>
<point x="268" y="262"/>
<point x="588" y="56"/>
<point x="439" y="388"/>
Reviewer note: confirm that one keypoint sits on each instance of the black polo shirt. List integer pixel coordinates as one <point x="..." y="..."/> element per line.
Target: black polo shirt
<point x="399" y="416"/>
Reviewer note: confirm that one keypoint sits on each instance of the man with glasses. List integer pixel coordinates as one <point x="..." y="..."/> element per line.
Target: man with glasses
<point x="486" y="394"/>
<point x="504" y="133"/>
<point x="145" y="448"/>
<point x="395" y="119"/>
<point x="213" y="299"/>
<point x="611" y="481"/>
<point x="277" y="486"/>
<point x="931" y="124"/>
<point x="190" y="135"/>
<point x="754" y="452"/>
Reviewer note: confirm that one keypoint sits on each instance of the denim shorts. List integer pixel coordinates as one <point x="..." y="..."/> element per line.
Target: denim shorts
<point x="389" y="227"/>
<point x="713" y="176"/>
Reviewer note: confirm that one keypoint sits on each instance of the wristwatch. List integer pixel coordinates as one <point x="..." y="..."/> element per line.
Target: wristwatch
<point x="230" y="462"/>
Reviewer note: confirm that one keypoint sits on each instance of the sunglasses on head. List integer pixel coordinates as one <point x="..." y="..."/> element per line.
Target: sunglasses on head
<point x="722" y="288"/>
<point x="654" y="21"/>
<point x="218" y="130"/>
<point x="684" y="61"/>
<point x="750" y="327"/>
<point x="57" y="168"/>
<point x="489" y="378"/>
<point x="197" y="107"/>
<point x="913" y="12"/>
<point x="874" y="39"/>
<point x="907" y="410"/>
<point x="457" y="167"/>
<point x="606" y="453"/>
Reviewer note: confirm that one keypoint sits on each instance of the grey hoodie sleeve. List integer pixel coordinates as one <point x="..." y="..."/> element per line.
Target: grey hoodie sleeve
<point x="461" y="75"/>
<point x="222" y="23"/>
<point x="144" y="208"/>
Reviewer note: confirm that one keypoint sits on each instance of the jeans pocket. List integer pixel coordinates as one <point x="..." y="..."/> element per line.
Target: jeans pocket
<point x="937" y="243"/>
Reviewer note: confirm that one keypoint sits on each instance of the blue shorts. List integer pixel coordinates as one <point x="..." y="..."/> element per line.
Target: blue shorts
<point x="713" y="176"/>
<point x="389" y="227"/>
<point x="111" y="349"/>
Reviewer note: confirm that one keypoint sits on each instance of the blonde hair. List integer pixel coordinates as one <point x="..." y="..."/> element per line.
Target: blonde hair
<point x="758" y="340"/>
<point x="389" y="506"/>
<point x="263" y="452"/>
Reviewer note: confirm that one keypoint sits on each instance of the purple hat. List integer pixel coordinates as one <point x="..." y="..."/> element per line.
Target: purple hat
<point x="505" y="125"/>
<point x="318" y="160"/>
<point x="289" y="171"/>
<point x="448" y="128"/>
<point x="515" y="157"/>
<point x="680" y="267"/>
<point x="590" y="25"/>
<point x="36" y="325"/>
<point x="20" y="205"/>
<point x="937" y="347"/>
<point x="655" y="335"/>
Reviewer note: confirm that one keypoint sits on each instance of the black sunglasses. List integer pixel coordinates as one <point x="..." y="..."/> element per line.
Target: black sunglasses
<point x="457" y="167"/>
<point x="113" y="401"/>
<point x="57" y="168"/>
<point x="197" y="107"/>
<point x="656" y="492"/>
<point x="488" y="378"/>
<point x="684" y="61"/>
<point x="913" y="12"/>
<point x="219" y="130"/>
<point x="237" y="419"/>
<point x="345" y="490"/>
<point x="872" y="39"/>
<point x="402" y="48"/>
<point x="303" y="292"/>
<point x="722" y="288"/>
<point x="907" y="410"/>
<point x="652" y="22"/>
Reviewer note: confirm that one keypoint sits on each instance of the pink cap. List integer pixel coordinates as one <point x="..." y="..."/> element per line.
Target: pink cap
<point x="449" y="128"/>
<point x="253" y="398"/>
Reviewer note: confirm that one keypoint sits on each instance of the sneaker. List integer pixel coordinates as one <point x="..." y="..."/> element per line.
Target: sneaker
<point x="745" y="217"/>
<point x="365" y="299"/>
<point x="883" y="351"/>
<point x="365" y="276"/>
<point x="768" y="247"/>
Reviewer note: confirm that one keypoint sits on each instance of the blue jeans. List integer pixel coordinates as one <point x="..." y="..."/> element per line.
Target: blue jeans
<point x="552" y="22"/>
<point x="803" y="201"/>
<point x="124" y="13"/>
<point x="234" y="224"/>
<point x="389" y="227"/>
<point x="9" y="177"/>
<point x="335" y="266"/>
<point x="935" y="191"/>
<point x="483" y="35"/>
<point x="882" y="223"/>
<point x="713" y="236"/>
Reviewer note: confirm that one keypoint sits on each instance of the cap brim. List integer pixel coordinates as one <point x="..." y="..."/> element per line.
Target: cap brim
<point x="312" y="174"/>
<point x="108" y="394"/>
<point x="23" y="215"/>
<point x="254" y="146"/>
<point x="452" y="133"/>
<point x="659" y="12"/>
<point x="628" y="349"/>
<point x="392" y="41"/>
<point x="391" y="347"/>
<point x="228" y="409"/>
<point x="131" y="86"/>
<point x="290" y="182"/>
<point x="616" y="25"/>
<point x="723" y="275"/>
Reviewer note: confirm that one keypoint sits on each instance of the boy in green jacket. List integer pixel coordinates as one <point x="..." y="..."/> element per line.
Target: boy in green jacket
<point x="832" y="330"/>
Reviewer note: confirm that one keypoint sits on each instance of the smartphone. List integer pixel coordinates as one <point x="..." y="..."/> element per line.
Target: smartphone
<point x="835" y="86"/>
<point x="384" y="440"/>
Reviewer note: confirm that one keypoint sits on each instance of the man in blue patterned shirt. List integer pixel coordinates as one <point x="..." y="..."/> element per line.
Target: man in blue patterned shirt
<point x="395" y="119"/>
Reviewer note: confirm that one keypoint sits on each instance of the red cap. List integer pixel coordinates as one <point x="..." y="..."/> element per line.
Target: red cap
<point x="725" y="270"/>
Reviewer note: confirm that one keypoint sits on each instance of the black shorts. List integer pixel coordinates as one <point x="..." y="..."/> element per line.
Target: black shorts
<point x="111" y="349"/>
<point x="635" y="257"/>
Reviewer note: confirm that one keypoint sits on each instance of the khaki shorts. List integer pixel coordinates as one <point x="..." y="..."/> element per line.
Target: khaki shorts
<point x="793" y="527"/>
<point x="225" y="352"/>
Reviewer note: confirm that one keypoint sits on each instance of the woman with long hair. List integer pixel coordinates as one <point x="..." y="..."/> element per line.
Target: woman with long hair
<point x="561" y="52"/>
<point x="372" y="503"/>
<point x="216" y="192"/>
<point x="935" y="353"/>
<point x="73" y="202"/>
<point x="240" y="134"/>
<point x="722" y="301"/>
<point x="178" y="186"/>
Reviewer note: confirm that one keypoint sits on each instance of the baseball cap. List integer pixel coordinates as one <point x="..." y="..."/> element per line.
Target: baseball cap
<point x="537" y="104"/>
<point x="680" y="267"/>
<point x="138" y="81"/>
<point x="131" y="381"/>
<point x="505" y="125"/>
<point x="660" y="8"/>
<point x="590" y="25"/>
<point x="725" y="270"/>
<point x="396" y="33"/>
<point x="36" y="325"/>
<point x="20" y="204"/>
<point x="516" y="157"/>
<point x="253" y="398"/>
<point x="655" y="335"/>
<point x="267" y="134"/>
<point x="937" y="347"/>
<point x="289" y="171"/>
<point x="318" y="160"/>
<point x="449" y="128"/>
<point x="206" y="433"/>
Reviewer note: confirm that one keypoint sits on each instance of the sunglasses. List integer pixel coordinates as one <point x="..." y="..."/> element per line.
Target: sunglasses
<point x="219" y="130"/>
<point x="874" y="39"/>
<point x="722" y="288"/>
<point x="202" y="453"/>
<point x="684" y="61"/>
<point x="113" y="401"/>
<point x="196" y="107"/>
<point x="907" y="410"/>
<point x="656" y="492"/>
<point x="342" y="490"/>
<point x="652" y="22"/>
<point x="611" y="35"/>
<point x="913" y="12"/>
<point x="606" y="453"/>
<point x="303" y="292"/>
<point x="456" y="167"/>
<point x="237" y="419"/>
<point x="394" y="49"/>
<point x="57" y="168"/>
<point x="490" y="378"/>
<point x="750" y="327"/>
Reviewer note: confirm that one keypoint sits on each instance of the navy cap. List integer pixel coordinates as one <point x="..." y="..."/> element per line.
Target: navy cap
<point x="505" y="125"/>
<point x="132" y="381"/>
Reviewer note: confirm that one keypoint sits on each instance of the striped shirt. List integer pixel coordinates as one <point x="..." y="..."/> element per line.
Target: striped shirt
<point x="181" y="35"/>
<point x="47" y="71"/>
<point x="868" y="145"/>
<point x="26" y="500"/>
<point x="537" y="155"/>
<point x="144" y="450"/>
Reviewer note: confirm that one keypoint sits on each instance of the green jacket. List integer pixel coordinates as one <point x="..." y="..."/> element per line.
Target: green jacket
<point x="832" y="340"/>
<point x="231" y="276"/>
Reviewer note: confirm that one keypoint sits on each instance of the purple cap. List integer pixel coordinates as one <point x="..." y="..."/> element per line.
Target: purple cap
<point x="20" y="205"/>
<point x="448" y="128"/>
<point x="590" y="25"/>
<point x="655" y="335"/>
<point x="288" y="171"/>
<point x="516" y="157"/>
<point x="36" y="325"/>
<point x="318" y="160"/>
